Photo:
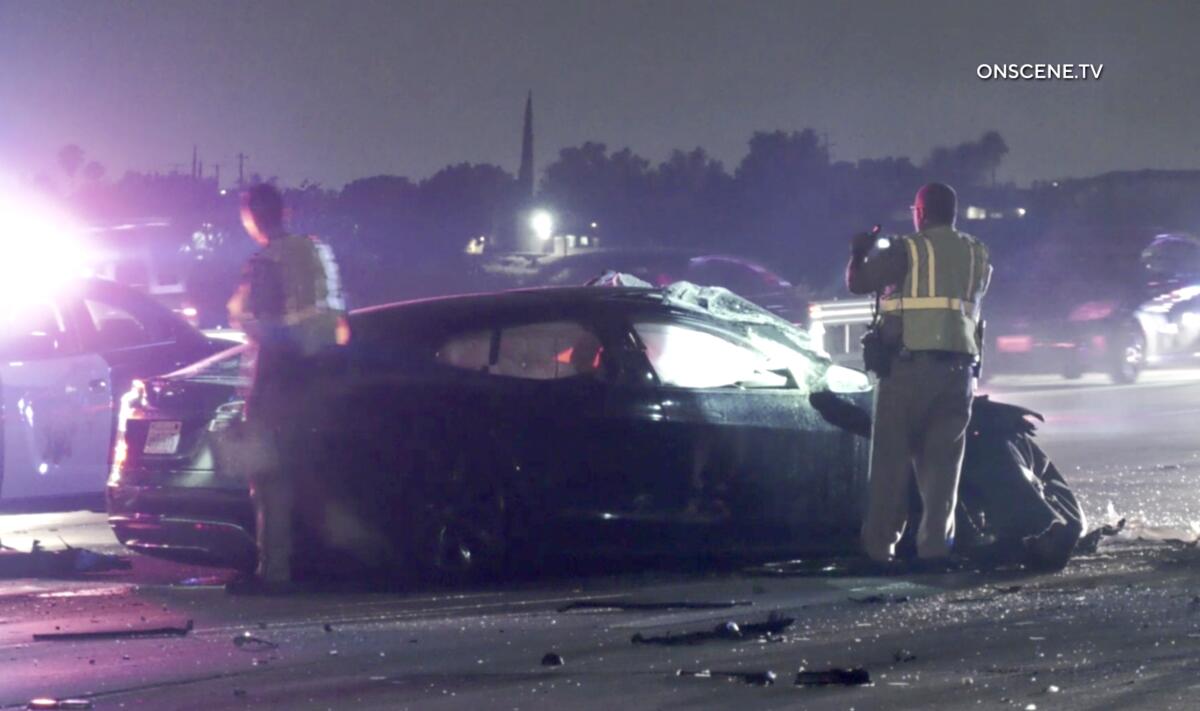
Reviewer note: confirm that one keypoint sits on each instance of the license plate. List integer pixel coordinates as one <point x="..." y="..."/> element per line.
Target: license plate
<point x="163" y="437"/>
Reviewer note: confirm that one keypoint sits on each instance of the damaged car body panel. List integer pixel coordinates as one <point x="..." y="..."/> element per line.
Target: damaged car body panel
<point x="454" y="431"/>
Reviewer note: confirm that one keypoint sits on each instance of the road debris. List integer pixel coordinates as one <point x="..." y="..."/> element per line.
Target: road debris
<point x="903" y="655"/>
<point x="552" y="660"/>
<point x="996" y="591"/>
<point x="67" y="563"/>
<point x="249" y="643"/>
<point x="726" y="631"/>
<point x="132" y="633"/>
<point x="633" y="605"/>
<point x="834" y="677"/>
<point x="1091" y="542"/>
<point x="753" y="678"/>
<point x="886" y="599"/>
<point x="47" y="703"/>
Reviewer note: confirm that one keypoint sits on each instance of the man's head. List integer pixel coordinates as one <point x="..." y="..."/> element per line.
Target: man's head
<point x="262" y="212"/>
<point x="935" y="204"/>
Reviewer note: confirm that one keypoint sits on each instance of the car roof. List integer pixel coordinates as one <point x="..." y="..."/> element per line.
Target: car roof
<point x="556" y="297"/>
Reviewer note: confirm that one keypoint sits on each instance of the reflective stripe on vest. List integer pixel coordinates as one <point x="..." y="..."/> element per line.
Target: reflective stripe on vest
<point x="927" y="302"/>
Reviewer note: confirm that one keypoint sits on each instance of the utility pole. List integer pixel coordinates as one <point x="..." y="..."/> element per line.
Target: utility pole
<point x="242" y="169"/>
<point x="217" y="173"/>
<point x="194" y="176"/>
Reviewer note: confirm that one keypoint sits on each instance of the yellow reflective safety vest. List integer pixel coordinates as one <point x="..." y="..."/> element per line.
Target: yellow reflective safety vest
<point x="938" y="304"/>
<point x="312" y="290"/>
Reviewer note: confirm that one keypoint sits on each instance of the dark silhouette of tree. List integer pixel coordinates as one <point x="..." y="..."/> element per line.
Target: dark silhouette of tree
<point x="693" y="200"/>
<point x="588" y="184"/>
<point x="462" y="202"/>
<point x="783" y="190"/>
<point x="70" y="159"/>
<point x="969" y="164"/>
<point x="94" y="172"/>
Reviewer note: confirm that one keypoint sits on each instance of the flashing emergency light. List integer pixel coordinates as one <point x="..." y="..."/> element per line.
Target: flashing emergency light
<point x="40" y="247"/>
<point x="542" y="223"/>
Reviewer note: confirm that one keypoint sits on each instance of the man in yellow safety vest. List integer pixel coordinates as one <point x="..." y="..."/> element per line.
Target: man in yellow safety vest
<point x="930" y="284"/>
<point x="291" y="307"/>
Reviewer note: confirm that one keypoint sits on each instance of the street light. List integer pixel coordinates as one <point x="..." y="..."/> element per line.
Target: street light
<point x="542" y="223"/>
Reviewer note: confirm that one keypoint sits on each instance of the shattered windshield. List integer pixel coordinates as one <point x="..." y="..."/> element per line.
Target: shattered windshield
<point x="786" y="345"/>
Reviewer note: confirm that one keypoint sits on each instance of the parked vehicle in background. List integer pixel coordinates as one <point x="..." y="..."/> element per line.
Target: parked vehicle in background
<point x="66" y="354"/>
<point x="1142" y="313"/>
<point x="747" y="278"/>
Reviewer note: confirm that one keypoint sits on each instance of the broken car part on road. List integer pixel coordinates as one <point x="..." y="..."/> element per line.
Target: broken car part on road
<point x="650" y="606"/>
<point x="753" y="678"/>
<point x="834" y="677"/>
<point x="132" y="633"/>
<point x="726" y="631"/>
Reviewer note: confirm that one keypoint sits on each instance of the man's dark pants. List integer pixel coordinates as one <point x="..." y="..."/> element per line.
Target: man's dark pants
<point x="922" y="409"/>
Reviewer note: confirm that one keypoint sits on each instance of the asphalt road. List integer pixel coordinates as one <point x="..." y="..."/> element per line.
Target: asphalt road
<point x="1117" y="629"/>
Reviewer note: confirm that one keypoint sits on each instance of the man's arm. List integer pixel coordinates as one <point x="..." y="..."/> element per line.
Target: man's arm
<point x="886" y="268"/>
<point x="258" y="304"/>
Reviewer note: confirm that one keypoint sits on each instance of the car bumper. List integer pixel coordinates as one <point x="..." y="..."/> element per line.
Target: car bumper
<point x="213" y="526"/>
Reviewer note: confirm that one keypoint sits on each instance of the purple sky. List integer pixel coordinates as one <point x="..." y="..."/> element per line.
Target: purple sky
<point x="332" y="91"/>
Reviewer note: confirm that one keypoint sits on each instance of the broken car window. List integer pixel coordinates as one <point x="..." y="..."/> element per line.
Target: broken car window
<point x="539" y="351"/>
<point x="687" y="357"/>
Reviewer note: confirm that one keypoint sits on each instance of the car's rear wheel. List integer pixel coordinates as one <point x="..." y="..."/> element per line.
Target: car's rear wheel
<point x="1128" y="353"/>
<point x="460" y="521"/>
<point x="1073" y="366"/>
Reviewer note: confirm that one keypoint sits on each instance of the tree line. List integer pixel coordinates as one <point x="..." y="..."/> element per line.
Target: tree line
<point x="788" y="201"/>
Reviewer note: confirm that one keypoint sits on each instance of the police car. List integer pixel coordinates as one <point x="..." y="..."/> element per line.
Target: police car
<point x="66" y="354"/>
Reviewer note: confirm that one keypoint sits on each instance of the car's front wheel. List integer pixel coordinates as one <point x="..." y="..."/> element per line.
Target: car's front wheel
<point x="460" y="521"/>
<point x="1127" y="353"/>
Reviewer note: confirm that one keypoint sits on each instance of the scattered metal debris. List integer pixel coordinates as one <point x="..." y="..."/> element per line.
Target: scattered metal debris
<point x="249" y="643"/>
<point x="754" y="678"/>
<point x="132" y="633"/>
<point x="834" y="677"/>
<point x="552" y="660"/>
<point x="1091" y="542"/>
<point x="41" y="563"/>
<point x="728" y="631"/>
<point x="996" y="591"/>
<point x="634" y="605"/>
<point x="46" y="703"/>
<point x="877" y="599"/>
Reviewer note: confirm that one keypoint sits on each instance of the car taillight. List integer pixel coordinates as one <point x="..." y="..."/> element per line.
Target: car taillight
<point x="1014" y="344"/>
<point x="136" y="395"/>
<point x="1092" y="311"/>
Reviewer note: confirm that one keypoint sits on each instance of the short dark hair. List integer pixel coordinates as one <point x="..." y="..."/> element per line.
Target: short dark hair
<point x="265" y="203"/>
<point x="940" y="203"/>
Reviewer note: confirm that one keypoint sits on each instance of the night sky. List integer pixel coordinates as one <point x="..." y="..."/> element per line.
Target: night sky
<point x="332" y="91"/>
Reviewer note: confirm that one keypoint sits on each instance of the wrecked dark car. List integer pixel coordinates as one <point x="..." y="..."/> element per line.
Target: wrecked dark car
<point x="458" y="434"/>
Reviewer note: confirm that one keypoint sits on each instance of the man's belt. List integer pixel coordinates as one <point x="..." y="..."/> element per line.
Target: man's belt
<point x="927" y="302"/>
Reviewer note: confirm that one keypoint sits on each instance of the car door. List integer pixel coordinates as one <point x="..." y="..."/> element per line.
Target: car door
<point x="136" y="336"/>
<point x="544" y="383"/>
<point x="739" y="444"/>
<point x="57" y="405"/>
